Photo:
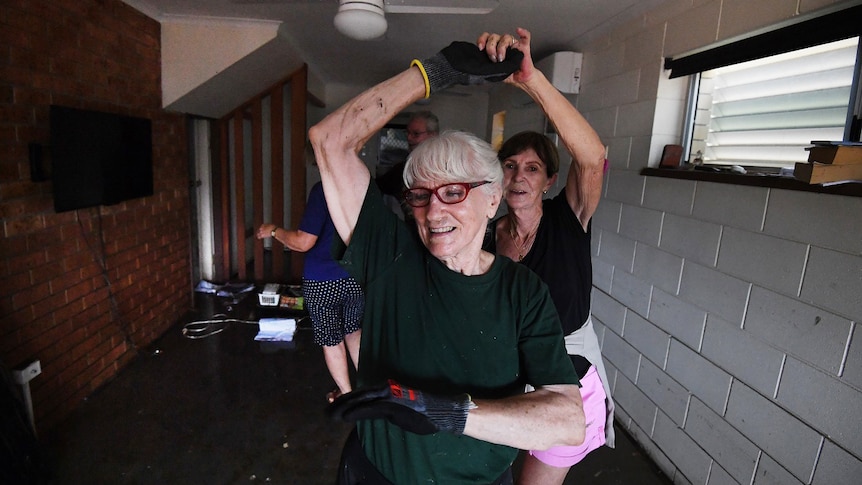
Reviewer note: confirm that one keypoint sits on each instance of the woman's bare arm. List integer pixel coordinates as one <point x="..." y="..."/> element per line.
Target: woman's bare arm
<point x="549" y="416"/>
<point x="584" y="181"/>
<point x="338" y="138"/>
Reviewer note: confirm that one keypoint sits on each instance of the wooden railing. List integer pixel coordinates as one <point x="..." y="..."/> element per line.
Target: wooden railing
<point x="244" y="134"/>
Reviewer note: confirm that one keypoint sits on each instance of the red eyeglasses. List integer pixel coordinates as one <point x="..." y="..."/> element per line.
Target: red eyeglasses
<point x="448" y="194"/>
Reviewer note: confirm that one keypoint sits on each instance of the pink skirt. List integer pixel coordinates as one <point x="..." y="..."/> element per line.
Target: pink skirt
<point x="595" y="412"/>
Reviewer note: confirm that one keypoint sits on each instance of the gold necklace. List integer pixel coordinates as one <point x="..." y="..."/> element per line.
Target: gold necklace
<point x="522" y="249"/>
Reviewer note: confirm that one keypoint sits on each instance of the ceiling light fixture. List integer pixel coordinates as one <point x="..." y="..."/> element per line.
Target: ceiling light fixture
<point x="361" y="20"/>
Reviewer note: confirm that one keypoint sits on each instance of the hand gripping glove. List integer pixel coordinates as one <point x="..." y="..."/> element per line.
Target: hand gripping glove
<point x="464" y="63"/>
<point x="413" y="410"/>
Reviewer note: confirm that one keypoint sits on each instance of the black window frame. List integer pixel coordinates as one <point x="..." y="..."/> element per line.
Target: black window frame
<point x="835" y="24"/>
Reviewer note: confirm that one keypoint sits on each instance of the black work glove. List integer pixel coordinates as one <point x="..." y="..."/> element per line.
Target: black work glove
<point x="413" y="410"/>
<point x="463" y="63"/>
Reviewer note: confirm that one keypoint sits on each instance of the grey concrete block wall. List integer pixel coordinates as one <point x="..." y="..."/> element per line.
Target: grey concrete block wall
<point x="695" y="240"/>
<point x="730" y="314"/>
<point x="735" y="348"/>
<point x="670" y="396"/>
<point x="836" y="465"/>
<point x="682" y="320"/>
<point x="774" y="430"/>
<point x="719" y="476"/>
<point x="718" y="293"/>
<point x="832" y="280"/>
<point x="823" y="401"/>
<point x="799" y="216"/>
<point x="767" y="261"/>
<point x="769" y="472"/>
<point x="689" y="458"/>
<point x="852" y="371"/>
<point x="624" y="357"/>
<point x="662" y="268"/>
<point x="737" y="206"/>
<point x="631" y="291"/>
<point x="743" y="355"/>
<point x="718" y="438"/>
<point x="640" y="224"/>
<point x="641" y="409"/>
<point x="699" y="376"/>
<point x="815" y="335"/>
<point x="651" y="340"/>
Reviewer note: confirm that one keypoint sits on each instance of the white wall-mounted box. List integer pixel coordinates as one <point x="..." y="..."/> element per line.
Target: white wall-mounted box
<point x="563" y="69"/>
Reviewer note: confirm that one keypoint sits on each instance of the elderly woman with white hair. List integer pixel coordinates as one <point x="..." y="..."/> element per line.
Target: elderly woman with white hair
<point x="451" y="333"/>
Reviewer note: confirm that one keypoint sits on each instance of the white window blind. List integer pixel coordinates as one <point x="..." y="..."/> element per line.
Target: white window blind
<point x="767" y="111"/>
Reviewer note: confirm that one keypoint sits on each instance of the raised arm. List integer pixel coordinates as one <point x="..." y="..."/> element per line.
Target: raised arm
<point x="338" y="138"/>
<point x="584" y="181"/>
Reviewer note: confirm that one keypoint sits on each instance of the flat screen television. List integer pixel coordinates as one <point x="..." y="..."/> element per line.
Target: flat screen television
<point x="99" y="158"/>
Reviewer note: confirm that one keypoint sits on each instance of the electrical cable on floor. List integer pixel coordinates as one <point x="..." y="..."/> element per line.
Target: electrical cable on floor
<point x="206" y="328"/>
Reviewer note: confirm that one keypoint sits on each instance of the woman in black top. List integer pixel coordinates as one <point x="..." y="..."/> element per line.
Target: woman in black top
<point x="552" y="237"/>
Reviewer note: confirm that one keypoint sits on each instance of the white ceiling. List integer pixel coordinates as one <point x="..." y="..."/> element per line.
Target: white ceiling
<point x="307" y="25"/>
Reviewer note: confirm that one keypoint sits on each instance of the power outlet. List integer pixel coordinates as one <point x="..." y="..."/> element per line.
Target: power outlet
<point x="26" y="374"/>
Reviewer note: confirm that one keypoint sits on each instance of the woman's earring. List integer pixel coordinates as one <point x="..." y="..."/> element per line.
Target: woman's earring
<point x="544" y="191"/>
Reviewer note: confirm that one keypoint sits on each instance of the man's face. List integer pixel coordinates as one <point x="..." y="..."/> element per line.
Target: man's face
<point x="417" y="133"/>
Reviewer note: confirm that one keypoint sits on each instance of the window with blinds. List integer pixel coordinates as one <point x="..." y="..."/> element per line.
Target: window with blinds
<point x="765" y="112"/>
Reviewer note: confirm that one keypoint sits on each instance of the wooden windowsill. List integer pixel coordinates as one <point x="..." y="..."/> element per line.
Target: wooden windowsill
<point x="756" y="180"/>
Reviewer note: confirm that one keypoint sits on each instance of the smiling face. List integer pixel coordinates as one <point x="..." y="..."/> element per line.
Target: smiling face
<point x="453" y="233"/>
<point x="525" y="179"/>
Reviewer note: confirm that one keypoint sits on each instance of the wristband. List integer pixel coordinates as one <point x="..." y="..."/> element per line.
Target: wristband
<point x="418" y="63"/>
<point x="272" y="232"/>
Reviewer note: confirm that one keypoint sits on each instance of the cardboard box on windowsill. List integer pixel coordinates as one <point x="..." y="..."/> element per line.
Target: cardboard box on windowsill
<point x="835" y="153"/>
<point x="819" y="173"/>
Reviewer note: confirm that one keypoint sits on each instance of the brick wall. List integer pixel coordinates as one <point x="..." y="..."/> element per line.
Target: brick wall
<point x="728" y="315"/>
<point x="82" y="290"/>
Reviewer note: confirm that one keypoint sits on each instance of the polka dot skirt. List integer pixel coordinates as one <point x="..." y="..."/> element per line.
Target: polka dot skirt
<point x="335" y="308"/>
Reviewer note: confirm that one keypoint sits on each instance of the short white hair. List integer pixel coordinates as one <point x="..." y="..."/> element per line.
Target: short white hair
<point x="454" y="156"/>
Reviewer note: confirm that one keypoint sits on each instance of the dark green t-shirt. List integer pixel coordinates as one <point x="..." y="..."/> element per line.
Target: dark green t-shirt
<point x="439" y="331"/>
